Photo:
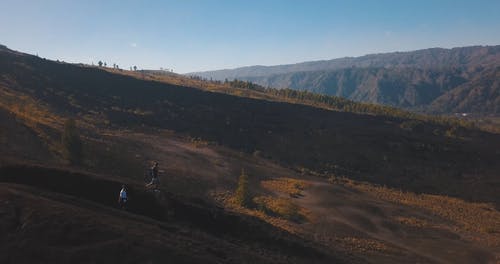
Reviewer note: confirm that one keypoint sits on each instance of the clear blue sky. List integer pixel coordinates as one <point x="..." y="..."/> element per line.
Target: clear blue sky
<point x="209" y="34"/>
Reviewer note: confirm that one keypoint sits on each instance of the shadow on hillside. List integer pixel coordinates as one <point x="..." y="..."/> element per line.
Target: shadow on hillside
<point x="196" y="214"/>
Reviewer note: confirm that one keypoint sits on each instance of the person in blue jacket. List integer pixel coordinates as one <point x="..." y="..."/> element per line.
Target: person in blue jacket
<point x="122" y="199"/>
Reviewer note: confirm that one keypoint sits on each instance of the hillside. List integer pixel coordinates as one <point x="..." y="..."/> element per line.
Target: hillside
<point x="481" y="94"/>
<point x="308" y="137"/>
<point x="327" y="186"/>
<point x="50" y="215"/>
<point x="413" y="80"/>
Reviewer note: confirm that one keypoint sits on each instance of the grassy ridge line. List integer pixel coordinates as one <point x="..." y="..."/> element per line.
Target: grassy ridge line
<point x="251" y="90"/>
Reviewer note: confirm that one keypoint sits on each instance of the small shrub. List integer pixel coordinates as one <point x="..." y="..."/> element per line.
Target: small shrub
<point x="242" y="196"/>
<point x="198" y="142"/>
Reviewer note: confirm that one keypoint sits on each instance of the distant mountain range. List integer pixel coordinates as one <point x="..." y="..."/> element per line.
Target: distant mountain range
<point x="432" y="80"/>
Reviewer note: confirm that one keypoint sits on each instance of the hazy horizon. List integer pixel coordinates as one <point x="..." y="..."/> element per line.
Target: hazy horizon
<point x="191" y="36"/>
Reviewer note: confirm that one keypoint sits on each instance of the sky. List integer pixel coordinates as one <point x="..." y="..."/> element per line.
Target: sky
<point x="199" y="35"/>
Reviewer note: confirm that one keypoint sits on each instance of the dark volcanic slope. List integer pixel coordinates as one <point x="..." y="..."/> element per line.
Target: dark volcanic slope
<point x="405" y="79"/>
<point x="56" y="216"/>
<point x="411" y="155"/>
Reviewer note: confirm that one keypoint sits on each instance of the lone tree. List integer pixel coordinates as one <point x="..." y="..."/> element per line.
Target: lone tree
<point x="242" y="192"/>
<point x="100" y="63"/>
<point x="72" y="144"/>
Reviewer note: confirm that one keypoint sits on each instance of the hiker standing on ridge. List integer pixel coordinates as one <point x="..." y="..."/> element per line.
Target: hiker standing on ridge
<point x="155" y="180"/>
<point x="122" y="198"/>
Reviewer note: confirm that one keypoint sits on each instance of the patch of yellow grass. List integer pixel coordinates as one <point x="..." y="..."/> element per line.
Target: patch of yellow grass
<point x="279" y="211"/>
<point x="277" y="206"/>
<point x="33" y="114"/>
<point x="227" y="200"/>
<point x="29" y="110"/>
<point x="479" y="220"/>
<point x="288" y="186"/>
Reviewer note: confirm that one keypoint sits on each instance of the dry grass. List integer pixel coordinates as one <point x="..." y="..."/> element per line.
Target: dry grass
<point x="198" y="142"/>
<point x="275" y="209"/>
<point x="227" y="200"/>
<point x="478" y="221"/>
<point x="280" y="207"/>
<point x="413" y="222"/>
<point x="30" y="111"/>
<point x="287" y="186"/>
<point x="34" y="115"/>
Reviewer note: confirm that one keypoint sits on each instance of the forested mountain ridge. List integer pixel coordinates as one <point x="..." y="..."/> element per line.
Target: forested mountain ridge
<point x="413" y="80"/>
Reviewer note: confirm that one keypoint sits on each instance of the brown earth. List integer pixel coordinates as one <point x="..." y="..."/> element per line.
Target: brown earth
<point x="57" y="216"/>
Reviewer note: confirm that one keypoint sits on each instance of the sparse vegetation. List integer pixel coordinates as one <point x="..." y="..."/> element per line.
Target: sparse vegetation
<point x="362" y="245"/>
<point x="34" y="114"/>
<point x="198" y="142"/>
<point x="277" y="206"/>
<point x="280" y="206"/>
<point x="227" y="199"/>
<point x="413" y="221"/>
<point x="467" y="217"/>
<point x="242" y="194"/>
<point x="288" y="186"/>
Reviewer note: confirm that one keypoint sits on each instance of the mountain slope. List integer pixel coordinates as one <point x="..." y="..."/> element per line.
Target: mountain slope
<point x="300" y="161"/>
<point x="427" y="58"/>
<point x="404" y="79"/>
<point x="403" y="153"/>
<point x="395" y="87"/>
<point x="481" y="94"/>
<point x="58" y="216"/>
